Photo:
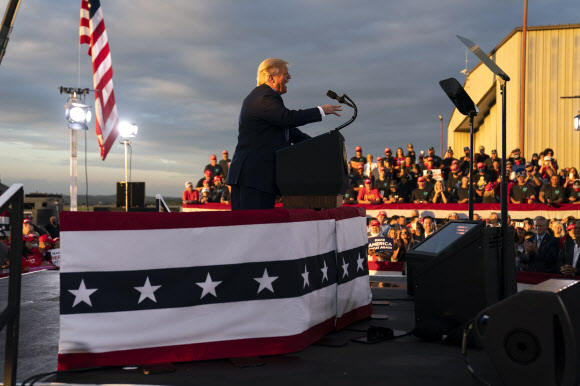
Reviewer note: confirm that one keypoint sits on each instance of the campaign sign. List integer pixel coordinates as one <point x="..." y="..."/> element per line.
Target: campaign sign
<point x="381" y="244"/>
<point x="55" y="255"/>
<point x="437" y="176"/>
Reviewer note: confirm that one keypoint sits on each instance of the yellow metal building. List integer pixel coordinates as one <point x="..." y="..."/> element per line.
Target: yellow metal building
<point x="552" y="71"/>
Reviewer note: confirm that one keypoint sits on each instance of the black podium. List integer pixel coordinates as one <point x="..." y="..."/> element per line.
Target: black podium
<point x="314" y="173"/>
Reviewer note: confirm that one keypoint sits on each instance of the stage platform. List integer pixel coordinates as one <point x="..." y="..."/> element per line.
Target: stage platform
<point x="403" y="361"/>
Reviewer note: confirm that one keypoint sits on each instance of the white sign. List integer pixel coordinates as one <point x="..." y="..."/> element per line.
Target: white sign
<point x="437" y="176"/>
<point x="55" y="255"/>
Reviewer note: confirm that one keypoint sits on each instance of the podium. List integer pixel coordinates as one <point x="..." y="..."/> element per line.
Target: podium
<point x="313" y="174"/>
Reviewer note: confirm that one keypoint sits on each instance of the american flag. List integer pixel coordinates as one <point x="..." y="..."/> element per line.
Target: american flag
<point x="92" y="32"/>
<point x="142" y="288"/>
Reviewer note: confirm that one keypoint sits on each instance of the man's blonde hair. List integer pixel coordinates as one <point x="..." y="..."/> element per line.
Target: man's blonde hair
<point x="271" y="66"/>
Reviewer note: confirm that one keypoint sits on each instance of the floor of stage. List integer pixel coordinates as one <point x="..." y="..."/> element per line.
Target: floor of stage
<point x="403" y="361"/>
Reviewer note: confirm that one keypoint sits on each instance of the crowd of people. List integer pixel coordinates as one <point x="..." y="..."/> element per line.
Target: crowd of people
<point x="212" y="187"/>
<point x="428" y="178"/>
<point x="38" y="245"/>
<point x="541" y="245"/>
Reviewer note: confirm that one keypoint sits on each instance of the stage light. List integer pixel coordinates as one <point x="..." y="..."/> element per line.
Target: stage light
<point x="127" y="129"/>
<point x="77" y="115"/>
<point x="577" y="122"/>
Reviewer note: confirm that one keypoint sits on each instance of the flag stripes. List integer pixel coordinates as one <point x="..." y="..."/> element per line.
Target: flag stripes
<point x="92" y="31"/>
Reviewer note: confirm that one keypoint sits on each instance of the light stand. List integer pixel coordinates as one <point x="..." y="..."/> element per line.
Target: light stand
<point x="127" y="130"/>
<point x="78" y="115"/>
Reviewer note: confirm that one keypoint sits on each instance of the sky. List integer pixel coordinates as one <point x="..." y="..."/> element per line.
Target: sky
<point x="183" y="68"/>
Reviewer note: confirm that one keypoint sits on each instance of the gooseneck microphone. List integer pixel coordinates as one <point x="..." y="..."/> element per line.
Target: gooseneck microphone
<point x="344" y="99"/>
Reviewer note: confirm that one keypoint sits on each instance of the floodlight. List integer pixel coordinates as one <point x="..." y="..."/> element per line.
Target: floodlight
<point x="77" y="115"/>
<point x="127" y="129"/>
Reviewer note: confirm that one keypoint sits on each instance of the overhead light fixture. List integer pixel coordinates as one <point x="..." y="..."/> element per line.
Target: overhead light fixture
<point x="77" y="115"/>
<point x="127" y="129"/>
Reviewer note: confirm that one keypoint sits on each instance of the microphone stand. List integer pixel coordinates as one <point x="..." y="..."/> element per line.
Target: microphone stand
<point x="351" y="120"/>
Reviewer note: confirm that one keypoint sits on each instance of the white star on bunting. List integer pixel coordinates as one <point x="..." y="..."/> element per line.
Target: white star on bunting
<point x="265" y="281"/>
<point x="305" y="277"/>
<point x="208" y="286"/>
<point x="324" y="272"/>
<point x="147" y="291"/>
<point x="345" y="268"/>
<point x="83" y="294"/>
<point x="359" y="262"/>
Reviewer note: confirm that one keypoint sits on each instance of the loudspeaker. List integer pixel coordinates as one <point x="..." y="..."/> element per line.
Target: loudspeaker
<point x="317" y="166"/>
<point x="136" y="193"/>
<point x="533" y="337"/>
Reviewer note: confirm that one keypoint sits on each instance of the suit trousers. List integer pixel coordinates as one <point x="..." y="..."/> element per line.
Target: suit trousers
<point x="245" y="197"/>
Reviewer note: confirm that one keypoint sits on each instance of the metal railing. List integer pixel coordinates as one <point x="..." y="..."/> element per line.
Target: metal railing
<point x="10" y="316"/>
<point x="160" y="204"/>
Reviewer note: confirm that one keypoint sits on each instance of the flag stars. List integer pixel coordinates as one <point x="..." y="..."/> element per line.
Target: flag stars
<point x="344" y="268"/>
<point x="305" y="277"/>
<point x="83" y="294"/>
<point x="324" y="272"/>
<point x="359" y="263"/>
<point x="147" y="291"/>
<point x="265" y="281"/>
<point x="208" y="286"/>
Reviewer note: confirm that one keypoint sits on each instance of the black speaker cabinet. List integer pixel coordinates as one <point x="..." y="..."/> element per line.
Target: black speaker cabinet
<point x="533" y="337"/>
<point x="317" y="166"/>
<point x="136" y="193"/>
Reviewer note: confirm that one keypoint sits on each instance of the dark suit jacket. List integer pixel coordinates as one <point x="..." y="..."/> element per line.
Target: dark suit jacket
<point x="567" y="255"/>
<point x="546" y="260"/>
<point x="265" y="125"/>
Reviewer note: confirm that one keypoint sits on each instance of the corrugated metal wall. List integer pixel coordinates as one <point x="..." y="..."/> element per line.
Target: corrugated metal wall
<point x="553" y="71"/>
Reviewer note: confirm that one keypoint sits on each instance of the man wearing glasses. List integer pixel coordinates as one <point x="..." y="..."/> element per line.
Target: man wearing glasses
<point x="266" y="125"/>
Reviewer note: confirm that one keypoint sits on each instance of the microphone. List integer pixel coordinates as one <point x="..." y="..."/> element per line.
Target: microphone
<point x="332" y="95"/>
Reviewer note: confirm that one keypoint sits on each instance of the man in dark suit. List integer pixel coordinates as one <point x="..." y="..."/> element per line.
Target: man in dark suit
<point x="541" y="251"/>
<point x="266" y="125"/>
<point x="569" y="261"/>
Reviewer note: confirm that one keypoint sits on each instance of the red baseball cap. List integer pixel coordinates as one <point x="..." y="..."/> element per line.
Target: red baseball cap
<point x="28" y="238"/>
<point x="207" y="172"/>
<point x="205" y="182"/>
<point x="45" y="238"/>
<point x="480" y="165"/>
<point x="382" y="213"/>
<point x="358" y="148"/>
<point x="217" y="178"/>
<point x="379" y="159"/>
<point x="368" y="181"/>
<point x="26" y="221"/>
<point x="454" y="167"/>
<point x="388" y="150"/>
<point x="212" y="156"/>
<point x="421" y="179"/>
<point x="375" y="223"/>
<point x="570" y="227"/>
<point x="225" y="152"/>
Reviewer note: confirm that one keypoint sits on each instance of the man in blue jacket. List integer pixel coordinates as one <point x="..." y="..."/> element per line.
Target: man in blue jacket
<point x="266" y="125"/>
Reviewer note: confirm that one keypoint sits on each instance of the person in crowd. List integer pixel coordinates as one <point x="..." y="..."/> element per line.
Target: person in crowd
<point x="476" y="217"/>
<point x="461" y="193"/>
<point x="438" y="194"/>
<point x="493" y="220"/>
<point x="552" y="193"/>
<point x="421" y="194"/>
<point x="519" y="163"/>
<point x="213" y="167"/>
<point x="480" y="180"/>
<point x="411" y="153"/>
<point x="31" y="256"/>
<point x="402" y="222"/>
<point x="435" y="159"/>
<point x="446" y="164"/>
<point x="571" y="177"/>
<point x="401" y="245"/>
<point x="350" y="194"/>
<point x="408" y="168"/>
<point x="4" y="249"/>
<point x="52" y="227"/>
<point x="190" y="195"/>
<point x="569" y="257"/>
<point x="226" y="195"/>
<point x="453" y="216"/>
<point x="392" y="233"/>
<point x="399" y="158"/>
<point x="570" y="231"/>
<point x="383" y="223"/>
<point x="509" y="172"/>
<point x="532" y="177"/>
<point x="481" y="156"/>
<point x="218" y="190"/>
<point x="489" y="196"/>
<point x="356" y="177"/>
<point x="429" y="225"/>
<point x="44" y="246"/>
<point x="368" y="195"/>
<point x="490" y="160"/>
<point x="395" y="195"/>
<point x="27" y="227"/>
<point x="464" y="162"/>
<point x="550" y="153"/>
<point x="382" y="183"/>
<point x="358" y="159"/>
<point x="512" y="156"/>
<point x="547" y="164"/>
<point x="522" y="192"/>
<point x="559" y="232"/>
<point x="225" y="163"/>
<point x="454" y="178"/>
<point x="574" y="193"/>
<point x="541" y="252"/>
<point x="418" y="232"/>
<point x="374" y="228"/>
<point x="389" y="156"/>
<point x="429" y="180"/>
<point x="207" y="178"/>
<point x="521" y="259"/>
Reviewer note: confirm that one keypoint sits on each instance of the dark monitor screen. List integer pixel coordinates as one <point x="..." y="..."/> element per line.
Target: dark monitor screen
<point x="444" y="237"/>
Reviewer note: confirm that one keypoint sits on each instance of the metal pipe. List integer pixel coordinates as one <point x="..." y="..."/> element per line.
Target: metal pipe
<point x="73" y="170"/>
<point x="126" y="180"/>
<point x="504" y="182"/>
<point x="523" y="79"/>
<point x="441" y="120"/>
<point x="471" y="177"/>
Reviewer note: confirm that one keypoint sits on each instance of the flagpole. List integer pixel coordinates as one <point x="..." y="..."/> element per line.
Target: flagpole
<point x="73" y="170"/>
<point x="126" y="180"/>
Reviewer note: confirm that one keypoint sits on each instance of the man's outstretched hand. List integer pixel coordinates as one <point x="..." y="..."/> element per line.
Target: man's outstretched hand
<point x="331" y="109"/>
